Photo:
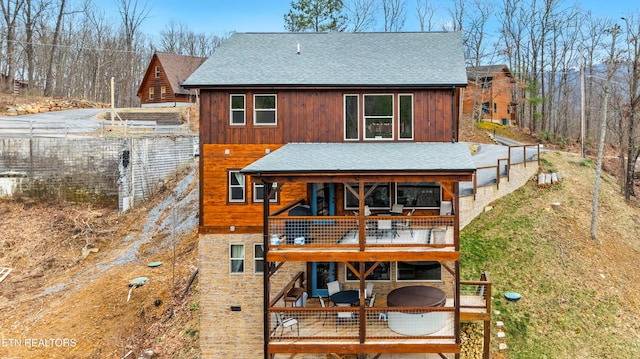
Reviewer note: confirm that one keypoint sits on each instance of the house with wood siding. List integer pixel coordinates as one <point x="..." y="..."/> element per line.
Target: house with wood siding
<point x="492" y="94"/>
<point x="161" y="85"/>
<point x="331" y="160"/>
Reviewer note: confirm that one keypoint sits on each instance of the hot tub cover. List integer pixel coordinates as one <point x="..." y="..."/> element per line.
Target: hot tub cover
<point x="416" y="296"/>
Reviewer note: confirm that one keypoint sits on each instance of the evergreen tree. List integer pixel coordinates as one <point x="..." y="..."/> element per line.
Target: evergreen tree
<point x="315" y="16"/>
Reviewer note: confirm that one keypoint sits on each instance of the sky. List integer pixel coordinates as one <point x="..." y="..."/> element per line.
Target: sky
<point x="219" y="17"/>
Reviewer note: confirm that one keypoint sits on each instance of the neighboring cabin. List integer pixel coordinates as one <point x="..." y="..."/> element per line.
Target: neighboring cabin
<point x="353" y="139"/>
<point x="493" y="92"/>
<point x="161" y="85"/>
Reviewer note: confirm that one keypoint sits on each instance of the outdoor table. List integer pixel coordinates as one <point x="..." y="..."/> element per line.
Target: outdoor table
<point x="345" y="297"/>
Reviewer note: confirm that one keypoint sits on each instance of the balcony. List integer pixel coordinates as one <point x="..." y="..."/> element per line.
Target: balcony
<point x="300" y="233"/>
<point x="375" y="329"/>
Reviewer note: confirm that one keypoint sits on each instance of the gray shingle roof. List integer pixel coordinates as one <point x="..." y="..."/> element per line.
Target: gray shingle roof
<point x="487" y="70"/>
<point x="335" y="59"/>
<point x="363" y="157"/>
<point x="178" y="68"/>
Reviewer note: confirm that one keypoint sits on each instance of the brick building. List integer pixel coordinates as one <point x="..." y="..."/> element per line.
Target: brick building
<point x="332" y="160"/>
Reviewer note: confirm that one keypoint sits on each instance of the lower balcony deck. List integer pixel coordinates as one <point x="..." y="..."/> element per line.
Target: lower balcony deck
<point x="374" y="327"/>
<point x="317" y="329"/>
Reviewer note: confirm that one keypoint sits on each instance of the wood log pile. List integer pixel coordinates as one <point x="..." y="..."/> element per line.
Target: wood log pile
<point x="545" y="180"/>
<point x="471" y="340"/>
<point x="52" y="105"/>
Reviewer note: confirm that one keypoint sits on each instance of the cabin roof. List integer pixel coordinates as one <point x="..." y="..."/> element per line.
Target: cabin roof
<point x="365" y="157"/>
<point x="486" y="71"/>
<point x="335" y="59"/>
<point x="177" y="68"/>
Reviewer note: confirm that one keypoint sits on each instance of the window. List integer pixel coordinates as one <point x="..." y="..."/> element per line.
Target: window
<point x="258" y="258"/>
<point x="495" y="107"/>
<point x="406" y="116"/>
<point x="163" y="92"/>
<point x="151" y="93"/>
<point x="351" y="130"/>
<point x="422" y="271"/>
<point x="236" y="258"/>
<point x="486" y="107"/>
<point x="264" y="108"/>
<point x="423" y="194"/>
<point x="378" y="199"/>
<point x="237" y="116"/>
<point x="381" y="272"/>
<point x="236" y="187"/>
<point x="486" y="82"/>
<point x="378" y="116"/>
<point x="157" y="71"/>
<point x="258" y="193"/>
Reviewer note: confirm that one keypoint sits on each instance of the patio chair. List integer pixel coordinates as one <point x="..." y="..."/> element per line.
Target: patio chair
<point x="367" y="211"/>
<point x="286" y="323"/>
<point x="397" y="209"/>
<point x="385" y="226"/>
<point x="446" y="208"/>
<point x="323" y="306"/>
<point x="334" y="287"/>
<point x="345" y="316"/>
<point x="406" y="224"/>
<point x="368" y="292"/>
<point x="372" y="301"/>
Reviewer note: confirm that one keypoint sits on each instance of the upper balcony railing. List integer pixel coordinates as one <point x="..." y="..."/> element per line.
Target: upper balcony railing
<point x="301" y="232"/>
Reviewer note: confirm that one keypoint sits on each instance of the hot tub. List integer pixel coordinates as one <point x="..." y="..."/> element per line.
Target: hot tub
<point x="416" y="323"/>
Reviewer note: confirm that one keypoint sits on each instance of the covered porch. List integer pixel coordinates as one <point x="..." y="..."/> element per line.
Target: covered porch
<point x="361" y="241"/>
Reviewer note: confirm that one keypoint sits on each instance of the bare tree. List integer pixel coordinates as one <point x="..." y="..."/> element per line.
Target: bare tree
<point x="457" y="14"/>
<point x="177" y="38"/>
<point x="361" y="14"/>
<point x="48" y="84"/>
<point x="394" y="12"/>
<point x="425" y="11"/>
<point x="132" y="15"/>
<point x="33" y="10"/>
<point x="476" y="50"/>
<point x="631" y="115"/>
<point x="10" y="11"/>
<point x="603" y="131"/>
<point x="514" y="21"/>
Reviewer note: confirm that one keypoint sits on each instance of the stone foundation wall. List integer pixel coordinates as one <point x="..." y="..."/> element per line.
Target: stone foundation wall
<point x="471" y="207"/>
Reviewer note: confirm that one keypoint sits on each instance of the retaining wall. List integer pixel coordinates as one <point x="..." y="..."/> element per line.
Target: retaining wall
<point x="91" y="169"/>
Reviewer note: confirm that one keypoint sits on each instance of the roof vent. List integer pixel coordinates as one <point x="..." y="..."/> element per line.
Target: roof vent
<point x="298" y="48"/>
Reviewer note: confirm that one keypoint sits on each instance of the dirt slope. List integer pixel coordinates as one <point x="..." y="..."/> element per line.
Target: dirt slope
<point x="58" y="304"/>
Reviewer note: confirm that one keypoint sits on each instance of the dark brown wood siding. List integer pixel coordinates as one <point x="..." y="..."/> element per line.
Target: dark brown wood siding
<point x="316" y="115"/>
<point x="151" y="81"/>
